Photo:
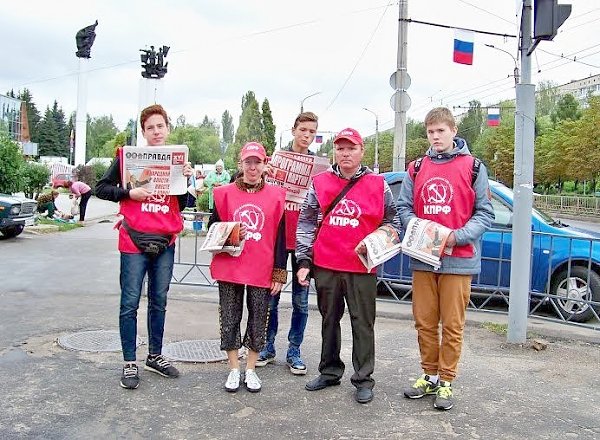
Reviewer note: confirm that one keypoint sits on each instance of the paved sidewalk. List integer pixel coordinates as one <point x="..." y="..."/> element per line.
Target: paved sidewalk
<point x="503" y="391"/>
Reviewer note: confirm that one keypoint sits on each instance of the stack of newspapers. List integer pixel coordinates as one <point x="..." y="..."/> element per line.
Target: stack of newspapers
<point x="223" y="237"/>
<point x="382" y="244"/>
<point x="426" y="240"/>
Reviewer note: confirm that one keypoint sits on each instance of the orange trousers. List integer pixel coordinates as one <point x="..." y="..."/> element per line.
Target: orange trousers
<point x="440" y="297"/>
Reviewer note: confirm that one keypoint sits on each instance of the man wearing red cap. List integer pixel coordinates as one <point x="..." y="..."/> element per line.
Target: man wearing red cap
<point x="352" y="202"/>
<point x="261" y="267"/>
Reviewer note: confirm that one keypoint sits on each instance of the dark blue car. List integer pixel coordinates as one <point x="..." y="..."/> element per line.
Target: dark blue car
<point x="565" y="261"/>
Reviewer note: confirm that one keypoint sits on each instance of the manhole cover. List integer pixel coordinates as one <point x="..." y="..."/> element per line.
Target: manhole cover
<point x="94" y="341"/>
<point x="195" y="351"/>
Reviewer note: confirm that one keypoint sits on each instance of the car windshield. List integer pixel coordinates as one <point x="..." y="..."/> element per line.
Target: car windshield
<point x="508" y="193"/>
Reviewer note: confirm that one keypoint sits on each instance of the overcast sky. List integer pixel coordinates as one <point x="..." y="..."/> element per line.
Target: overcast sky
<point x="283" y="51"/>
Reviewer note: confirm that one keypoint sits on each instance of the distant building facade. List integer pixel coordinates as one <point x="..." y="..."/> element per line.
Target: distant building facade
<point x="10" y="116"/>
<point x="581" y="89"/>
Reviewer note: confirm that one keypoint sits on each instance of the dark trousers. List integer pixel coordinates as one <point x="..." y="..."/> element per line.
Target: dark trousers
<point x="83" y="204"/>
<point x="359" y="291"/>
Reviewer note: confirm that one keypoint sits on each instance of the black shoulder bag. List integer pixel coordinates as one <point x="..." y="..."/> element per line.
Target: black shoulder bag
<point x="148" y="243"/>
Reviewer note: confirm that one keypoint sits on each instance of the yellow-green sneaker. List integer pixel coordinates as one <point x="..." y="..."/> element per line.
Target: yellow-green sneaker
<point x="443" y="398"/>
<point x="422" y="387"/>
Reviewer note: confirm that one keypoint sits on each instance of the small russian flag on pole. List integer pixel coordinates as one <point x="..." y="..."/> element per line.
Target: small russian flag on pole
<point x="319" y="139"/>
<point x="463" y="46"/>
<point x="493" y="119"/>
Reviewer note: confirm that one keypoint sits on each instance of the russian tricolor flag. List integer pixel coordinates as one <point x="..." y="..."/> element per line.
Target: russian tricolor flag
<point x="463" y="46"/>
<point x="319" y="139"/>
<point x="493" y="119"/>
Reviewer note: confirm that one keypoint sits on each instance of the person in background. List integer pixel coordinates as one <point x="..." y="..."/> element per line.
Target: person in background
<point x="151" y="218"/>
<point x="304" y="131"/>
<point x="261" y="267"/>
<point x="442" y="295"/>
<point x="47" y="203"/>
<point x="214" y="179"/>
<point x="344" y="204"/>
<point x="81" y="191"/>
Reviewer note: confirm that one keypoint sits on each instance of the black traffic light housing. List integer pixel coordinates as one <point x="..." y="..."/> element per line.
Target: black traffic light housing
<point x="548" y="16"/>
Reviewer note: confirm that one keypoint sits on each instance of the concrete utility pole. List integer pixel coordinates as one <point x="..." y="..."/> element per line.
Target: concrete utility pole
<point x="376" y="162"/>
<point x="520" y="274"/>
<point x="400" y="100"/>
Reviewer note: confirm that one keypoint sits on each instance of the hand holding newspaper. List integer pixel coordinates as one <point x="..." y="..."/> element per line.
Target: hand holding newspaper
<point x="426" y="240"/>
<point x="157" y="169"/>
<point x="381" y="244"/>
<point x="224" y="237"/>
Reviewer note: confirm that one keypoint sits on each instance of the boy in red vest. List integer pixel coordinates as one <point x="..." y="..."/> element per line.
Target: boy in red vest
<point x="145" y="214"/>
<point x="304" y="131"/>
<point x="332" y="253"/>
<point x="443" y="181"/>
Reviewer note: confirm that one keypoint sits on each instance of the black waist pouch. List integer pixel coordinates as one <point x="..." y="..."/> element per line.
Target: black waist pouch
<point x="148" y="243"/>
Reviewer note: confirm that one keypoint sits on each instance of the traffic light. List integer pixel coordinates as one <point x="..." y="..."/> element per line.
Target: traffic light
<point x="548" y="16"/>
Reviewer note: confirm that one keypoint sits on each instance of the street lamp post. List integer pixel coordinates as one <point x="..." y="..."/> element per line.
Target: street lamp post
<point x="376" y="164"/>
<point x="516" y="71"/>
<point x="304" y="99"/>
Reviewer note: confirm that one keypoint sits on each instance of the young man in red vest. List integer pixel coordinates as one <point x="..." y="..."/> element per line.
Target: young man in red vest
<point x="146" y="214"/>
<point x="304" y="131"/>
<point x="330" y="248"/>
<point x="442" y="190"/>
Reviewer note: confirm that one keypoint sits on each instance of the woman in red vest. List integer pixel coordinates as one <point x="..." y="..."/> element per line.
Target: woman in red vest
<point x="261" y="267"/>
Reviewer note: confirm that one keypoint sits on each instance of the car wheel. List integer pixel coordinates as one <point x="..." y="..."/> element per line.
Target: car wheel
<point x="12" y="231"/>
<point x="572" y="289"/>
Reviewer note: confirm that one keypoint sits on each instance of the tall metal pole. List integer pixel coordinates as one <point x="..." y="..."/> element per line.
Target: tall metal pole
<point x="81" y="113"/>
<point x="376" y="163"/>
<point x="401" y="97"/>
<point x="516" y="70"/>
<point x="520" y="275"/>
<point x="304" y="99"/>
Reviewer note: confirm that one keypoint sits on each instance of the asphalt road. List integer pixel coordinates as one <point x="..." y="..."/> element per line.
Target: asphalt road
<point x="60" y="283"/>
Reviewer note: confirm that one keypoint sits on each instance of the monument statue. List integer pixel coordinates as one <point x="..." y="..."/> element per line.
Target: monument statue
<point x="85" y="38"/>
<point x="153" y="62"/>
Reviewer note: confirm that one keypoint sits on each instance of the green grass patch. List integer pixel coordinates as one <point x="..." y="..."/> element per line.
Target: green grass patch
<point x="499" y="329"/>
<point x="62" y="226"/>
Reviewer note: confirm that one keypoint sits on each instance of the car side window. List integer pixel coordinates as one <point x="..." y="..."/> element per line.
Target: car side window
<point x="502" y="214"/>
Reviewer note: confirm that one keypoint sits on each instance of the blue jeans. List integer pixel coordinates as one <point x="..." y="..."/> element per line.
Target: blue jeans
<point x="133" y="269"/>
<point x="299" y="316"/>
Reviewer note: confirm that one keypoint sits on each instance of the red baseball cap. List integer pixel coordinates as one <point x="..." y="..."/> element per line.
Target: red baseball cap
<point x="349" y="134"/>
<point x="253" y="149"/>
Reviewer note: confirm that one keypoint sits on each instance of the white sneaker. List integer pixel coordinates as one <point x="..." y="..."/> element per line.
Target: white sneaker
<point x="252" y="381"/>
<point x="233" y="381"/>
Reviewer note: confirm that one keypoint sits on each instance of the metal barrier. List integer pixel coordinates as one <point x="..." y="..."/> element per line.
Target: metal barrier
<point x="565" y="284"/>
<point x="572" y="205"/>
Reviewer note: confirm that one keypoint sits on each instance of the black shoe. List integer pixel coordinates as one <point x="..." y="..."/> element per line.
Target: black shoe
<point x="363" y="395"/>
<point x="320" y="382"/>
<point x="130" y="378"/>
<point x="159" y="364"/>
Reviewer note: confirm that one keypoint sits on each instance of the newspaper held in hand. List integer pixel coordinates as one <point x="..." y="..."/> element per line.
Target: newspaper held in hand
<point x="426" y="240"/>
<point x="294" y="172"/>
<point x="157" y="169"/>
<point x="382" y="244"/>
<point x="223" y="237"/>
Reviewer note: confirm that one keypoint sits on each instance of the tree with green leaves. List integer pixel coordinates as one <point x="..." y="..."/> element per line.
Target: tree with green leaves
<point x="227" y="127"/>
<point x="202" y="141"/>
<point x="545" y="98"/>
<point x="49" y="137"/>
<point x="471" y="126"/>
<point x="250" y="127"/>
<point x="100" y="130"/>
<point x="35" y="177"/>
<point x="567" y="107"/>
<point x="11" y="165"/>
<point x="268" y="140"/>
<point x="62" y="129"/>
